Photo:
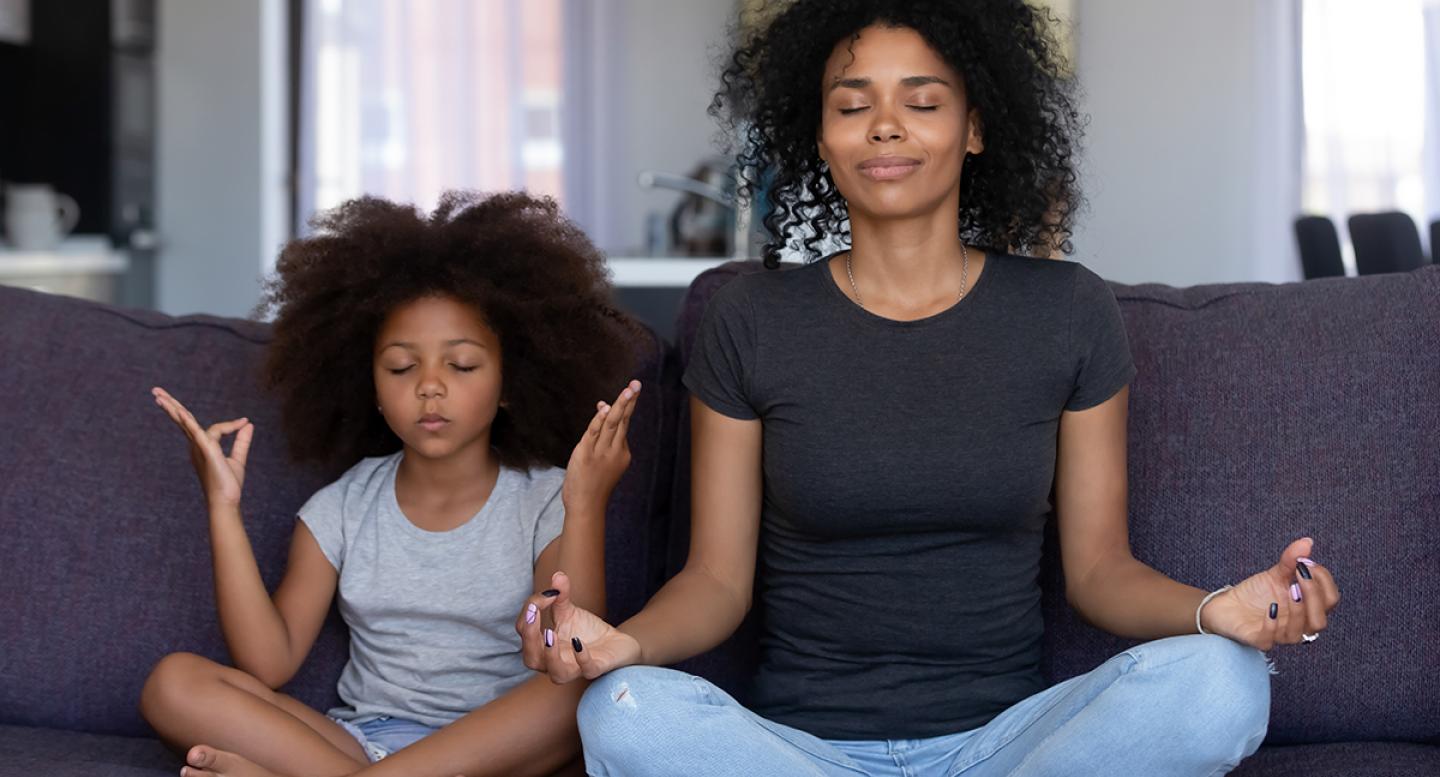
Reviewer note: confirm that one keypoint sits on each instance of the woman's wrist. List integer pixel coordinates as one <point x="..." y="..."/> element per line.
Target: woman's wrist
<point x="1206" y="603"/>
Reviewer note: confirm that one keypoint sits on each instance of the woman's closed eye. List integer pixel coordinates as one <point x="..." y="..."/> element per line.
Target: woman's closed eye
<point x="927" y="108"/>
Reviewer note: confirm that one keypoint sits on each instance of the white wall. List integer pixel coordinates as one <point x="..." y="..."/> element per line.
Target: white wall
<point x="1188" y="152"/>
<point x="218" y="214"/>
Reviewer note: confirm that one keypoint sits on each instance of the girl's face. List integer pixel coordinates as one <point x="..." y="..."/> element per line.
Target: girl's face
<point x="895" y="125"/>
<point x="437" y="375"/>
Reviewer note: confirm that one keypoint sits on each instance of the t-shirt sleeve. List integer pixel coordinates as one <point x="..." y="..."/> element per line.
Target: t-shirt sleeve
<point x="321" y="515"/>
<point x="722" y="358"/>
<point x="1099" y="346"/>
<point x="552" y="516"/>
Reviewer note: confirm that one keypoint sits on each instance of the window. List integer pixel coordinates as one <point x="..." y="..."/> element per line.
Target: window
<point x="404" y="100"/>
<point x="1365" y="95"/>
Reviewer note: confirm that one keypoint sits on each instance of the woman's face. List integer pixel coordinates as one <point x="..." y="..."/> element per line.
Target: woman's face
<point x="895" y="125"/>
<point x="437" y="375"/>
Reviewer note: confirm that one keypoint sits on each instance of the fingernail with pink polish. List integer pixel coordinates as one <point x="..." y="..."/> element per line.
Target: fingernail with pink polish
<point x="1295" y="591"/>
<point x="549" y="638"/>
<point x="530" y="613"/>
<point x="1307" y="562"/>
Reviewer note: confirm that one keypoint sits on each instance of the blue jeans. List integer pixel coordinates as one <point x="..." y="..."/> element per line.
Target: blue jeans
<point x="1179" y="707"/>
<point x="385" y="735"/>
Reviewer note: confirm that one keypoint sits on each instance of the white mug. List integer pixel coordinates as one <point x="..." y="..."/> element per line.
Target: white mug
<point x="37" y="217"/>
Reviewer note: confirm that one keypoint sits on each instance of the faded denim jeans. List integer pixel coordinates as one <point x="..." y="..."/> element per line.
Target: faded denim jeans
<point x="1188" y="706"/>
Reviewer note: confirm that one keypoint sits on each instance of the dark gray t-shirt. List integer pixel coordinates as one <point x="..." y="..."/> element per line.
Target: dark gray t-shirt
<point x="907" y="479"/>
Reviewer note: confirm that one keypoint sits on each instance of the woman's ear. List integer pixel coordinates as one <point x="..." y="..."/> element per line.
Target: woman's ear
<point x="975" y="143"/>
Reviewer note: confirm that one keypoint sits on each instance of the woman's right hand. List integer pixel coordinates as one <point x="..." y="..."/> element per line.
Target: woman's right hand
<point x="580" y="643"/>
<point x="221" y="476"/>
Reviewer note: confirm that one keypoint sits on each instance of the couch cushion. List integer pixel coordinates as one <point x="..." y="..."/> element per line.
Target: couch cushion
<point x="1346" y="759"/>
<point x="105" y="562"/>
<point x="1260" y="414"/>
<point x="54" y="753"/>
<point x="1264" y="413"/>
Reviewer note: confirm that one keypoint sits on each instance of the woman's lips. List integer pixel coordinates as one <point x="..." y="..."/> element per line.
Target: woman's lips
<point x="887" y="168"/>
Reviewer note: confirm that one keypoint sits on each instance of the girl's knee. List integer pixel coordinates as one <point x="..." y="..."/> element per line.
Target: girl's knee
<point x="172" y="682"/>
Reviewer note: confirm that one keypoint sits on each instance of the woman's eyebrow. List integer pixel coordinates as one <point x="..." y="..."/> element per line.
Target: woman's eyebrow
<point x="923" y="80"/>
<point x="908" y="81"/>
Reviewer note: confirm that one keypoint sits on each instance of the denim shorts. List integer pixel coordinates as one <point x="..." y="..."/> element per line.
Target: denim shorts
<point x="384" y="735"/>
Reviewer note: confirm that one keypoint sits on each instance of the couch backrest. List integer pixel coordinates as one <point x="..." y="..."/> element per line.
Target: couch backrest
<point x="1260" y="414"/>
<point x="105" y="557"/>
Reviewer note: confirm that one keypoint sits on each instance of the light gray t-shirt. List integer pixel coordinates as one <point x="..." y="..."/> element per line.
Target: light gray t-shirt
<point x="431" y="614"/>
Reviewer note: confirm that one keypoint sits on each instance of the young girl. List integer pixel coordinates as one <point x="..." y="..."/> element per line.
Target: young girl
<point x="452" y="358"/>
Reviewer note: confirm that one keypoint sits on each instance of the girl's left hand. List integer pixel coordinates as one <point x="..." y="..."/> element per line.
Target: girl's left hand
<point x="1299" y="592"/>
<point x="603" y="453"/>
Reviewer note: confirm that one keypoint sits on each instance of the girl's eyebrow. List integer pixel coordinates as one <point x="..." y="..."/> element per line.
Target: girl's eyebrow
<point x="448" y="343"/>
<point x="464" y="340"/>
<point x="908" y="81"/>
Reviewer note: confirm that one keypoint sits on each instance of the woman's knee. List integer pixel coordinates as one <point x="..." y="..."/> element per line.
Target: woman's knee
<point x="1227" y="685"/>
<point x="627" y="705"/>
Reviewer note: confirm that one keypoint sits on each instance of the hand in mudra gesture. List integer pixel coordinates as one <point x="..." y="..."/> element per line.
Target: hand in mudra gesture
<point x="1285" y="604"/>
<point x="221" y="477"/>
<point x="580" y="643"/>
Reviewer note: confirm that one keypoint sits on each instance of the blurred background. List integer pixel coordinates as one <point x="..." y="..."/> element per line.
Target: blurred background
<point x="156" y="153"/>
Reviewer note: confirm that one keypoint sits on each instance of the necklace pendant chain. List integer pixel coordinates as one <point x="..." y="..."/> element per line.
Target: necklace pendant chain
<point x="964" y="276"/>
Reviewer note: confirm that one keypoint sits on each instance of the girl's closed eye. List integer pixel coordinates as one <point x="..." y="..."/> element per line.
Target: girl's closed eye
<point x="465" y="368"/>
<point x="848" y="111"/>
<point x="399" y="370"/>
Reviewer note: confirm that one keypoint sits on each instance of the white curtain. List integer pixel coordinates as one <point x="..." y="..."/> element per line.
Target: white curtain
<point x="1364" y="70"/>
<point x="405" y="100"/>
<point x="1432" y="120"/>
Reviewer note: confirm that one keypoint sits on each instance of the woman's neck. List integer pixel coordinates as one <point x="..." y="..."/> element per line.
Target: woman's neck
<point x="910" y="263"/>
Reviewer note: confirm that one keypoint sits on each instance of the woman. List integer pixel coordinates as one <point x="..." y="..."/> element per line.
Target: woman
<point x="883" y="428"/>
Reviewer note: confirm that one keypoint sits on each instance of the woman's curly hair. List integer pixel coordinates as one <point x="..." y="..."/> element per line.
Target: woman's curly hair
<point x="1019" y="195"/>
<point x="533" y="276"/>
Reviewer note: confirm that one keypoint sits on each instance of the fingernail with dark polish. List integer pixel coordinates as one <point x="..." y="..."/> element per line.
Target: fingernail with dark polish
<point x="1303" y="570"/>
<point x="575" y="643"/>
<point x="550" y="593"/>
<point x="1274" y="610"/>
<point x="549" y="638"/>
<point x="1295" y="591"/>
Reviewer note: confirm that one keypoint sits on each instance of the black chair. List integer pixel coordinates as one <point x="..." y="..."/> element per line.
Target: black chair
<point x="1435" y="242"/>
<point x="1319" y="247"/>
<point x="1385" y="242"/>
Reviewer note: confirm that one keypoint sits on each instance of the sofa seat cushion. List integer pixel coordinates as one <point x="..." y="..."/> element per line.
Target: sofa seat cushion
<point x="1344" y="759"/>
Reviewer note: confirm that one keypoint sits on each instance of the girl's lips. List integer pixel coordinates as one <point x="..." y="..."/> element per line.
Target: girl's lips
<point x="433" y="423"/>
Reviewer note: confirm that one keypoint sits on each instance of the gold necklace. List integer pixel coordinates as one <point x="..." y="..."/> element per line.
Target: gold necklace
<point x="964" y="276"/>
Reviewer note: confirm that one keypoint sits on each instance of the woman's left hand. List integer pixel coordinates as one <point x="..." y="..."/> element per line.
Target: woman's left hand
<point x="1299" y="592"/>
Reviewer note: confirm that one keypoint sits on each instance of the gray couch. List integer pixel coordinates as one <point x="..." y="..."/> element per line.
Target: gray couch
<point x="1260" y="413"/>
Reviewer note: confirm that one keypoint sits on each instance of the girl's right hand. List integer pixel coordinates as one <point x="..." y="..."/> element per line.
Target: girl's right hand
<point x="580" y="644"/>
<point x="221" y="476"/>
